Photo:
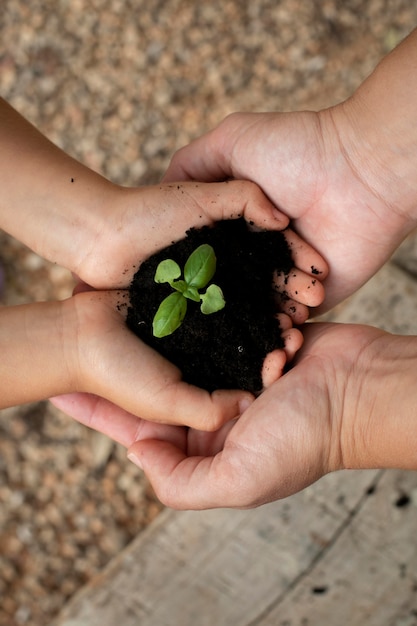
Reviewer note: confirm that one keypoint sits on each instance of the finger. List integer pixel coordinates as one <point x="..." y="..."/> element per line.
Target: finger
<point x="200" y="160"/>
<point x="81" y="287"/>
<point x="195" y="204"/>
<point x="305" y="257"/>
<point x="293" y="340"/>
<point x="284" y="321"/>
<point x="300" y="287"/>
<point x="273" y="367"/>
<point x="207" y="444"/>
<point x="194" y="482"/>
<point x="229" y="477"/>
<point x="170" y="472"/>
<point x="109" y="419"/>
<point x="153" y="389"/>
<point x="297" y="312"/>
<point x="221" y="201"/>
<point x="275" y="362"/>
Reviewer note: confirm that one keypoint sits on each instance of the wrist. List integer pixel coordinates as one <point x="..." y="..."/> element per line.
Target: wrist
<point x="385" y="167"/>
<point x="81" y="220"/>
<point x="37" y="360"/>
<point x="377" y="131"/>
<point x="72" y="216"/>
<point x="380" y="415"/>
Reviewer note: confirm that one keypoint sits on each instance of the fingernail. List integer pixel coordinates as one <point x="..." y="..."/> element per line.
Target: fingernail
<point x="135" y="459"/>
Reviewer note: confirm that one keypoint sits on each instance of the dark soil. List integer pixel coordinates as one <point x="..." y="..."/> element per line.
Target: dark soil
<point x="224" y="350"/>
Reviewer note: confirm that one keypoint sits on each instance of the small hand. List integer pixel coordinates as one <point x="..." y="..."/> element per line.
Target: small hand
<point x="139" y="222"/>
<point x="105" y="359"/>
<point x="122" y="379"/>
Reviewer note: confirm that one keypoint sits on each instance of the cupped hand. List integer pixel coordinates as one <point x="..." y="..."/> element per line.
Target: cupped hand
<point x="301" y="163"/>
<point x="116" y="376"/>
<point x="329" y="412"/>
<point x="105" y="358"/>
<point x="137" y="222"/>
<point x="101" y="231"/>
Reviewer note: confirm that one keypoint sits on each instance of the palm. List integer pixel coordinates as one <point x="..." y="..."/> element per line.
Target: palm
<point x="302" y="170"/>
<point x="324" y="198"/>
<point x="287" y="439"/>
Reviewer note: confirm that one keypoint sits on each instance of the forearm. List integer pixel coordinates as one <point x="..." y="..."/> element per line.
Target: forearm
<point x="48" y="200"/>
<point x="377" y="128"/>
<point x="35" y="359"/>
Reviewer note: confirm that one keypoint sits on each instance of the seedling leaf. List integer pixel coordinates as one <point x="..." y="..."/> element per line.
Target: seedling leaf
<point x="167" y="271"/>
<point x="169" y="315"/>
<point x="200" y="267"/>
<point x="213" y="300"/>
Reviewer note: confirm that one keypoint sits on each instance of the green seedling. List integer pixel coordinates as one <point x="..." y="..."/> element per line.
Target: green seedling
<point x="198" y="272"/>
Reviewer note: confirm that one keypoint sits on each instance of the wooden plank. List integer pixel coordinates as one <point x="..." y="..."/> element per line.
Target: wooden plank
<point x="369" y="575"/>
<point x="221" y="566"/>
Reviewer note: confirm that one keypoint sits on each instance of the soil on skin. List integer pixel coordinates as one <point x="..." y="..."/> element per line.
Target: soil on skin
<point x="224" y="350"/>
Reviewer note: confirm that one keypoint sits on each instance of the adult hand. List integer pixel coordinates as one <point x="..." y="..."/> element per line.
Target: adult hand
<point x="349" y="402"/>
<point x="344" y="175"/>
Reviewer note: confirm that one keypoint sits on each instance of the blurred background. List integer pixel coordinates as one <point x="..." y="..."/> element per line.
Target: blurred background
<point x="120" y="85"/>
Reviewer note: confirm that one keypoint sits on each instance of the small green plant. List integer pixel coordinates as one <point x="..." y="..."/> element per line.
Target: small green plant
<point x="198" y="272"/>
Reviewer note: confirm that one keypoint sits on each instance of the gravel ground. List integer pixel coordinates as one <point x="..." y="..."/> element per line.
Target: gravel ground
<point x="120" y="85"/>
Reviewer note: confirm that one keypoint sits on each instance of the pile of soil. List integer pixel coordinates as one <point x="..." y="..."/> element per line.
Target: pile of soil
<point x="224" y="350"/>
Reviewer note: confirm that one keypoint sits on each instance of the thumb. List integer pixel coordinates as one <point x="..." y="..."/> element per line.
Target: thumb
<point x="228" y="478"/>
<point x="206" y="159"/>
<point x="180" y="482"/>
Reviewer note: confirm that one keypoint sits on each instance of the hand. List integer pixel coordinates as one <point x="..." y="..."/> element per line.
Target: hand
<point x="344" y="175"/>
<point x="100" y="231"/>
<point x="112" y="376"/>
<point x="157" y="228"/>
<point x="153" y="390"/>
<point x="297" y="160"/>
<point x="135" y="223"/>
<point x="82" y="344"/>
<point x="349" y="402"/>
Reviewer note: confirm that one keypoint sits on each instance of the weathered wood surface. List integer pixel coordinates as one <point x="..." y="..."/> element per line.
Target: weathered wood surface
<point x="344" y="547"/>
<point x="342" y="552"/>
